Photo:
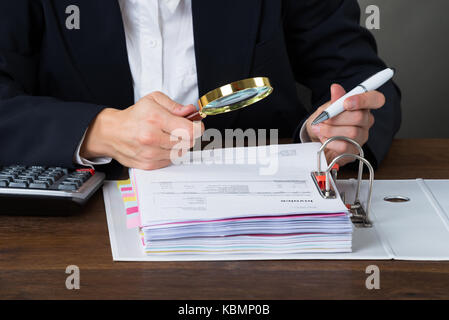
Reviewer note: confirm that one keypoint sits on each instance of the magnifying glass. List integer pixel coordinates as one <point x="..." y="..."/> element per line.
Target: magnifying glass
<point x="233" y="96"/>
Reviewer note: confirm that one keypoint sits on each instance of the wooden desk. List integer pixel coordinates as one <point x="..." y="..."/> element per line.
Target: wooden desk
<point x="34" y="253"/>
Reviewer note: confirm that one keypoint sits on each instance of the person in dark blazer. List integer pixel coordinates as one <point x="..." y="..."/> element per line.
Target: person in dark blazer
<point x="90" y="82"/>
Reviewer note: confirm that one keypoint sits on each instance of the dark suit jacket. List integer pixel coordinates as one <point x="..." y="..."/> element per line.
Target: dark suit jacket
<point x="54" y="81"/>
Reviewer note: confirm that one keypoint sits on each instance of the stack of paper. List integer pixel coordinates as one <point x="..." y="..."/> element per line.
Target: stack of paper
<point x="244" y="200"/>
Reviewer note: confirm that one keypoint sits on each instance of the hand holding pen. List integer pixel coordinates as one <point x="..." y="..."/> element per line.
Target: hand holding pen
<point x="348" y="114"/>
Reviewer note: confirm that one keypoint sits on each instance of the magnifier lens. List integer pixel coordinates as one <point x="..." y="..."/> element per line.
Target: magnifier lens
<point x="236" y="100"/>
<point x="233" y="98"/>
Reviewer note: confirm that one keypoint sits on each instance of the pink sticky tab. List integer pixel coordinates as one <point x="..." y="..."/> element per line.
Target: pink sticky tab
<point x="133" y="222"/>
<point x="132" y="210"/>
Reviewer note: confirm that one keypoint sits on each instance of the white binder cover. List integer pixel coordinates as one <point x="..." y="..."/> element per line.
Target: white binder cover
<point x="414" y="230"/>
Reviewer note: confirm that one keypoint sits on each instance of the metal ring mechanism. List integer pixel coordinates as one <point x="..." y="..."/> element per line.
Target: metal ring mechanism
<point x="360" y="216"/>
<point x="361" y="154"/>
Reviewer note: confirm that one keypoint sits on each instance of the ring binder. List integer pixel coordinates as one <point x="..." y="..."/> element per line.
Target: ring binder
<point x="326" y="185"/>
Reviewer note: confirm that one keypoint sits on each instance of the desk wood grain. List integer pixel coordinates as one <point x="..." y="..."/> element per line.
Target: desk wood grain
<point x="34" y="253"/>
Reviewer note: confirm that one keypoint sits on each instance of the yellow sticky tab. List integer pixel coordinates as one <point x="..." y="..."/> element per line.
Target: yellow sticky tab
<point x="123" y="183"/>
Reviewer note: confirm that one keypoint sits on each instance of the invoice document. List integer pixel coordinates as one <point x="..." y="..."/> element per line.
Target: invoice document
<point x="225" y="184"/>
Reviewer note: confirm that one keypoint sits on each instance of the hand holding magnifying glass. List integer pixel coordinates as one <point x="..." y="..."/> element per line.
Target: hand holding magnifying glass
<point x="143" y="135"/>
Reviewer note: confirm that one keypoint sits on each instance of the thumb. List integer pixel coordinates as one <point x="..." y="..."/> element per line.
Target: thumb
<point x="337" y="91"/>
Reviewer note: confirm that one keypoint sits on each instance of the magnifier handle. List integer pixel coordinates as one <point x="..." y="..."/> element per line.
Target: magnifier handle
<point x="196" y="116"/>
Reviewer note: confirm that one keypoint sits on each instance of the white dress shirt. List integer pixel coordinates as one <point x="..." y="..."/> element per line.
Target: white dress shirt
<point x="161" y="53"/>
<point x="160" y="43"/>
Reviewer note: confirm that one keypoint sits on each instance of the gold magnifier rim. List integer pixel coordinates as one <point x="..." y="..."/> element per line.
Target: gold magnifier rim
<point x="229" y="89"/>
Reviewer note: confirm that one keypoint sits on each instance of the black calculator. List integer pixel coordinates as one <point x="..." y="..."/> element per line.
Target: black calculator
<point x="40" y="190"/>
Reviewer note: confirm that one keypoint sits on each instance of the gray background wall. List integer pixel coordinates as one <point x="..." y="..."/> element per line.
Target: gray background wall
<point x="414" y="38"/>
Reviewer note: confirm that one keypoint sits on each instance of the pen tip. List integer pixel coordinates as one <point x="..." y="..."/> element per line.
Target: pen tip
<point x="322" y="117"/>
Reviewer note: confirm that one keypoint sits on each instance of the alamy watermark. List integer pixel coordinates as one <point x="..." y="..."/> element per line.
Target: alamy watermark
<point x="73" y="20"/>
<point x="263" y="150"/>
<point x="72" y="282"/>
<point x="373" y="280"/>
<point x="372" y="21"/>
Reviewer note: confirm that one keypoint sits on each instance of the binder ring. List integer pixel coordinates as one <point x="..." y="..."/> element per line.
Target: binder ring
<point x="361" y="154"/>
<point x="363" y="217"/>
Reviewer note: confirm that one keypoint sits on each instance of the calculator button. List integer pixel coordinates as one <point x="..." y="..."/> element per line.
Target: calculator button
<point x="74" y="180"/>
<point x="50" y="179"/>
<point x="17" y="184"/>
<point x="39" y="185"/>
<point x="67" y="187"/>
<point x="28" y="179"/>
<point x="56" y="176"/>
<point x="83" y="177"/>
<point x="64" y="170"/>
<point x="33" y="172"/>
<point x="77" y="183"/>
<point x="7" y="177"/>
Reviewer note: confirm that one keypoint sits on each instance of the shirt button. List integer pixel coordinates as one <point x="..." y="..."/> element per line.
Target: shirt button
<point x="152" y="43"/>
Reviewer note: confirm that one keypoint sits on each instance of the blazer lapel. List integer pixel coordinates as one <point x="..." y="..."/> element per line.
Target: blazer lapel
<point x="98" y="50"/>
<point x="225" y="34"/>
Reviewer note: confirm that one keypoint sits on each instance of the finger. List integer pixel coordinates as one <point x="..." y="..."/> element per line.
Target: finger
<point x="185" y="130"/>
<point x="340" y="147"/>
<point x="171" y="105"/>
<point x="181" y="127"/>
<point x="188" y="112"/>
<point x="168" y="142"/>
<point x="358" y="134"/>
<point x="358" y="118"/>
<point x="195" y="116"/>
<point x="163" y="100"/>
<point x="336" y="148"/>
<point x="337" y="91"/>
<point x="368" y="100"/>
<point x="177" y="126"/>
<point x="331" y="155"/>
<point x="155" y="137"/>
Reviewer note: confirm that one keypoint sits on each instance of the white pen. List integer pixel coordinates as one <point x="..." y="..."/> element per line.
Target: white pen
<point x="373" y="83"/>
